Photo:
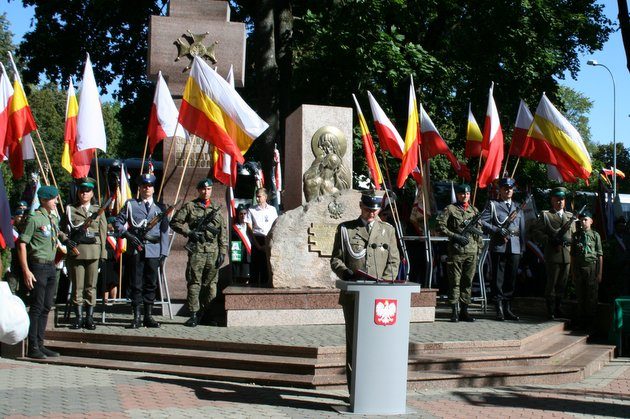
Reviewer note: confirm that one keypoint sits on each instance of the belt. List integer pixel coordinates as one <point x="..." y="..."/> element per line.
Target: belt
<point x="41" y="261"/>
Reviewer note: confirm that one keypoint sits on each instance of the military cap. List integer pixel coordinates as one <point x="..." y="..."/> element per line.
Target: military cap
<point x="507" y="181"/>
<point x="586" y="214"/>
<point x="559" y="191"/>
<point x="86" y="182"/>
<point x="23" y="204"/>
<point x="146" y="179"/>
<point x="47" y="192"/>
<point x="371" y="201"/>
<point x="110" y="220"/>
<point x="204" y="183"/>
<point x="462" y="188"/>
<point x="241" y="207"/>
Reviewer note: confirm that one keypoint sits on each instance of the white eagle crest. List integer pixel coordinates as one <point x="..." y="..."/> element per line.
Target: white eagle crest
<point x="386" y="311"/>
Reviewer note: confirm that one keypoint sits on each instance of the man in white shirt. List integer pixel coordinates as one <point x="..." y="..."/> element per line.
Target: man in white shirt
<point x="261" y="219"/>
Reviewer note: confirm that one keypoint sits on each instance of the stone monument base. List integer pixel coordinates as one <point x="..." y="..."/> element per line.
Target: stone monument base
<point x="246" y="306"/>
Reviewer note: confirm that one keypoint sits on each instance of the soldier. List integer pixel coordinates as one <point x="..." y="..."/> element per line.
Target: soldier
<point x="148" y="249"/>
<point x="463" y="251"/>
<point x="365" y="244"/>
<point x="85" y="249"/>
<point x="553" y="229"/>
<point x="37" y="247"/>
<point x="201" y="221"/>
<point x="506" y="247"/>
<point x="586" y="270"/>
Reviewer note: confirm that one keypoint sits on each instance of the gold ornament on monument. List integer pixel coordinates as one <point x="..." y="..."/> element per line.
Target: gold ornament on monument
<point x="191" y="46"/>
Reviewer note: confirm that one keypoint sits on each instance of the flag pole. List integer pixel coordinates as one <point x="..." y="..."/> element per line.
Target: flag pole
<point x="52" y="174"/>
<point x="515" y="166"/>
<point x="181" y="179"/>
<point x="39" y="163"/>
<point x="168" y="160"/>
<point x="144" y="153"/>
<point x="98" y="183"/>
<point x="203" y="147"/>
<point x="477" y="178"/>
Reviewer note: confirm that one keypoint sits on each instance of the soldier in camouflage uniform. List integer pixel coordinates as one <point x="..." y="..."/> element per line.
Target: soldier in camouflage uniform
<point x="545" y="231"/>
<point x="365" y="244"/>
<point x="586" y="270"/>
<point x="202" y="223"/>
<point x="463" y="252"/>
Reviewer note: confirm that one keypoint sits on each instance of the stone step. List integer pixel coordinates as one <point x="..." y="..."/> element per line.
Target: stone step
<point x="206" y="373"/>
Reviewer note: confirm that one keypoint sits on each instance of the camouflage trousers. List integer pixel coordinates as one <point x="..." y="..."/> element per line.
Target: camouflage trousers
<point x="460" y="271"/>
<point x="201" y="278"/>
<point x="586" y="289"/>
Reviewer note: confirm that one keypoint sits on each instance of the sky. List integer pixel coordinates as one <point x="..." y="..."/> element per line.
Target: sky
<point x="593" y="82"/>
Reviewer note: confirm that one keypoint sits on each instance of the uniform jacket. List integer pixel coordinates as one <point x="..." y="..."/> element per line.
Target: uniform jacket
<point x="586" y="247"/>
<point x="186" y="218"/>
<point x="40" y="234"/>
<point x="451" y="221"/>
<point x="135" y="213"/>
<point x="544" y="230"/>
<point x="381" y="258"/>
<point x="74" y="217"/>
<point x="496" y="214"/>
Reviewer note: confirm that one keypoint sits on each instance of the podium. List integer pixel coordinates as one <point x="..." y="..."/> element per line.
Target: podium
<point x="381" y="346"/>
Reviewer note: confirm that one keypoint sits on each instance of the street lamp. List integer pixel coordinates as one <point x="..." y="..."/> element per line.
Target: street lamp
<point x="595" y="64"/>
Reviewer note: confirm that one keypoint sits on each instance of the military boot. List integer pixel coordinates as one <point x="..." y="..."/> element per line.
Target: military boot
<point x="455" y="313"/>
<point x="558" y="309"/>
<point x="137" y="320"/>
<point x="500" y="314"/>
<point x="149" y="321"/>
<point x="509" y="315"/>
<point x="89" y="319"/>
<point x="465" y="316"/>
<point x="193" y="321"/>
<point x="550" y="311"/>
<point x="78" y="320"/>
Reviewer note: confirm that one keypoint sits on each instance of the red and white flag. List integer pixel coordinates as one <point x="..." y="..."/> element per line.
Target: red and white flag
<point x="388" y="136"/>
<point x="492" y="142"/>
<point x="90" y="125"/>
<point x="163" y="117"/>
<point x="524" y="119"/>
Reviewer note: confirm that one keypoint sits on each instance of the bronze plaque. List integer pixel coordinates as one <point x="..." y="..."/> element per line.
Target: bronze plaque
<point x="321" y="238"/>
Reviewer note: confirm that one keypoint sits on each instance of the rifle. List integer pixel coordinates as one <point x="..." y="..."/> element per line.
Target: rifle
<point x="512" y="215"/>
<point x="142" y="232"/>
<point x="202" y="225"/>
<point x="558" y="238"/>
<point x="79" y="233"/>
<point x="469" y="226"/>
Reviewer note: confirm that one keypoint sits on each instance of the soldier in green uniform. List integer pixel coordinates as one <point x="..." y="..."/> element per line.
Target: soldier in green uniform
<point x="463" y="251"/>
<point x="37" y="247"/>
<point x="586" y="270"/>
<point x="365" y="244"/>
<point x="548" y="230"/>
<point x="202" y="223"/>
<point x="85" y="248"/>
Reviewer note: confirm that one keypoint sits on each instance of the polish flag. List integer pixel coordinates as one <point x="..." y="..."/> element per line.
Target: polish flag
<point x="163" y="117"/>
<point x="388" y="136"/>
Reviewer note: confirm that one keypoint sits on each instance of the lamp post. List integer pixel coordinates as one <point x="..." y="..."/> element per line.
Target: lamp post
<point x="595" y="64"/>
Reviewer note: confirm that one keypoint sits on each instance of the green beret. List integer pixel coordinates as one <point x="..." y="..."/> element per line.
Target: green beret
<point x="463" y="188"/>
<point x="559" y="191"/>
<point x="110" y="220"/>
<point x="23" y="204"/>
<point x="204" y="183"/>
<point x="47" y="192"/>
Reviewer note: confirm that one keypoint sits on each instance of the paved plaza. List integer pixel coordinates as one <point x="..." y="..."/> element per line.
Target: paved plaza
<point x="29" y="390"/>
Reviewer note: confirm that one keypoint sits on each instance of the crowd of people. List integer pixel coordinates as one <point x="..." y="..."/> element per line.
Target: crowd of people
<point x="82" y="242"/>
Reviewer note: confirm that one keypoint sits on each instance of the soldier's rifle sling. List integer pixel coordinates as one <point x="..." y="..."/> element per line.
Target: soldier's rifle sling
<point x="567" y="225"/>
<point x="154" y="221"/>
<point x="512" y="216"/>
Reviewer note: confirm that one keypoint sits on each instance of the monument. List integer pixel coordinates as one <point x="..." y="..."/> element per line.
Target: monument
<point x="192" y="28"/>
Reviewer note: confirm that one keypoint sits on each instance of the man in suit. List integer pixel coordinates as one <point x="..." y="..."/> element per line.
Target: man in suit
<point x="506" y="225"/>
<point x="364" y="244"/>
<point x="85" y="248"/>
<point x="148" y="249"/>
<point x="553" y="229"/>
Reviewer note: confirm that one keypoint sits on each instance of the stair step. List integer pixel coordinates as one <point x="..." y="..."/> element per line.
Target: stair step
<point x="206" y="373"/>
<point x="191" y="357"/>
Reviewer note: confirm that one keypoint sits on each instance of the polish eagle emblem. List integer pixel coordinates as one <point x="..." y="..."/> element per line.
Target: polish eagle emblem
<point x="385" y="312"/>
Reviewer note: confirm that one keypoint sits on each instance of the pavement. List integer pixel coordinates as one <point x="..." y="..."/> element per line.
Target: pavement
<point x="30" y="390"/>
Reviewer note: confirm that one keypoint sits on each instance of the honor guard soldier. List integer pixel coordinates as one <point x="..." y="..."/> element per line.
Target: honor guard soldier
<point x="202" y="223"/>
<point x="86" y="228"/>
<point x="148" y="248"/>
<point x="553" y="229"/>
<point x="365" y="244"/>
<point x="586" y="269"/>
<point x="460" y="223"/>
<point x="37" y="247"/>
<point x="506" y="225"/>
